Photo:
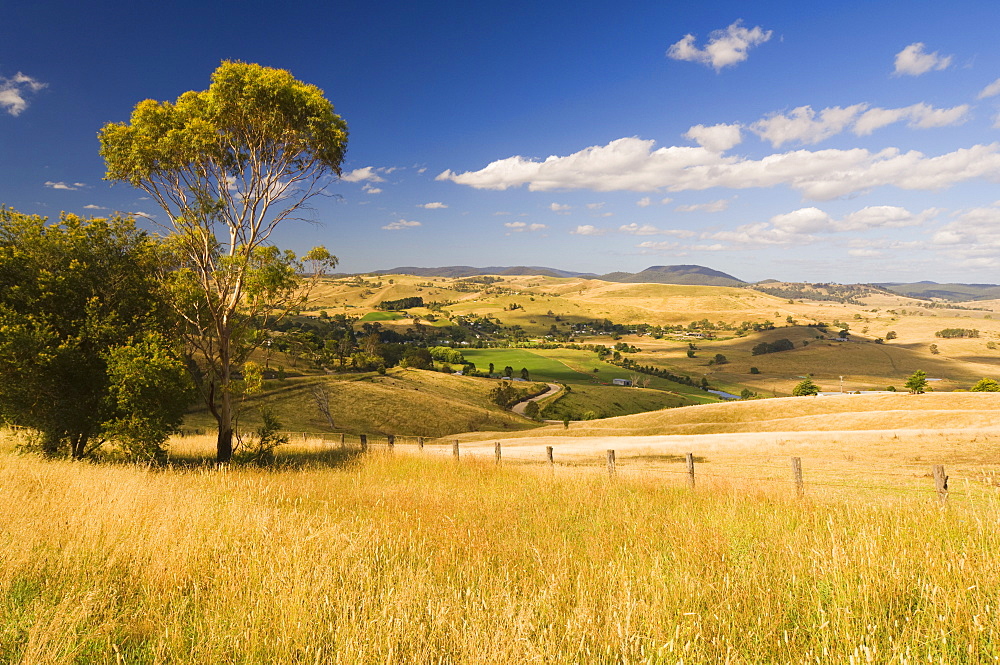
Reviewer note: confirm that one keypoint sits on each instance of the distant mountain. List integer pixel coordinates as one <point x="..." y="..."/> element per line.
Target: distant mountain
<point x="950" y="292"/>
<point x="686" y="274"/>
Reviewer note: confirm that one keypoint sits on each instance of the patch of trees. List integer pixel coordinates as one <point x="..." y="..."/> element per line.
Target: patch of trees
<point x="400" y="304"/>
<point x="950" y="333"/>
<point x="87" y="350"/>
<point x="630" y="364"/>
<point x="824" y="291"/>
<point x="772" y="347"/>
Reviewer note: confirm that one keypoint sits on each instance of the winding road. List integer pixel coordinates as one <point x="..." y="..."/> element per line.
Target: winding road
<point x="520" y="406"/>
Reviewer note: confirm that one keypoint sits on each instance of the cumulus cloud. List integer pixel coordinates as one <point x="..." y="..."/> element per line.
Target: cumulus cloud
<point x="650" y="230"/>
<point x="518" y="227"/>
<point x="920" y="116"/>
<point x="588" y="230"/>
<point x="800" y="226"/>
<point x="558" y="207"/>
<point x="644" y="202"/>
<point x="71" y="187"/>
<point x="803" y="125"/>
<point x="369" y="173"/>
<point x="658" y="245"/>
<point x="14" y="92"/>
<point x="91" y="206"/>
<point x="913" y="61"/>
<point x="401" y="224"/>
<point x="633" y="164"/>
<point x="717" y="138"/>
<point x="371" y="190"/>
<point x="992" y="90"/>
<point x="711" y="206"/>
<point x="724" y="47"/>
<point x="595" y="206"/>
<point x="436" y="205"/>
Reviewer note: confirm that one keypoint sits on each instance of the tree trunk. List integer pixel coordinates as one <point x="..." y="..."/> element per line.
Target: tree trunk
<point x="224" y="445"/>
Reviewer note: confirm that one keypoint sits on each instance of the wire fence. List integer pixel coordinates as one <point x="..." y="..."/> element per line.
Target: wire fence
<point x="930" y="480"/>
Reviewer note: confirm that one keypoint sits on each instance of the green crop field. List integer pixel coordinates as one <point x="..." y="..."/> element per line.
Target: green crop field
<point x="382" y="316"/>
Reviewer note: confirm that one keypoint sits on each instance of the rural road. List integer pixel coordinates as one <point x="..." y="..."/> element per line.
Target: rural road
<point x="520" y="406"/>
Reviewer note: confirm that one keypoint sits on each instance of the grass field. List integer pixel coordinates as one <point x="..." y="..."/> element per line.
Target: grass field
<point x="417" y="559"/>
<point x="403" y="402"/>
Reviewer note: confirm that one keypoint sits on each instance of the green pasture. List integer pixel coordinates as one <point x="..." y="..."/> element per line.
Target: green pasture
<point x="382" y="316"/>
<point x="573" y="367"/>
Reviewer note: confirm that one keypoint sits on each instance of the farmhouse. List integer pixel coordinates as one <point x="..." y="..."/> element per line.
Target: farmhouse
<point x="621" y="382"/>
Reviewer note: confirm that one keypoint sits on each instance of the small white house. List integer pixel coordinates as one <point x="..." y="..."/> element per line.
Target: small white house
<point x="621" y="382"/>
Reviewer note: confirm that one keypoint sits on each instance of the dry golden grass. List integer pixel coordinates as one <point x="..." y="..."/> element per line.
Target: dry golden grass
<point x="417" y="559"/>
<point x="403" y="402"/>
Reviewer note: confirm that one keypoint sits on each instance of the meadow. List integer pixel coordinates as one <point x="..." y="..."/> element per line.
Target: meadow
<point x="414" y="558"/>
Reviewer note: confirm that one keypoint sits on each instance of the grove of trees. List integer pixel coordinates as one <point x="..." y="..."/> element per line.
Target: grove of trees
<point x="88" y="350"/>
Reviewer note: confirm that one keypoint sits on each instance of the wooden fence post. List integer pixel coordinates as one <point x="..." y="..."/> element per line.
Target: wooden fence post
<point x="497" y="451"/>
<point x="689" y="457"/>
<point x="548" y="453"/>
<point x="941" y="483"/>
<point x="392" y="441"/>
<point x="343" y="440"/>
<point x="611" y="463"/>
<point x="797" y="474"/>
<point x="364" y="443"/>
<point x="420" y="442"/>
<point x="454" y="449"/>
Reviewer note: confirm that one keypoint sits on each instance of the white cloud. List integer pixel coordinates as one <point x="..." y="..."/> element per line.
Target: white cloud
<point x="633" y="164"/>
<point x="558" y="207"/>
<point x="401" y="224"/>
<point x="912" y="61"/>
<point x="865" y="253"/>
<point x="658" y="245"/>
<point x="650" y="230"/>
<point x="367" y="173"/>
<point x="371" y="190"/>
<point x="800" y="226"/>
<point x="920" y="116"/>
<point x="71" y="187"/>
<point x="644" y="202"/>
<point x="803" y="126"/>
<point x="436" y="205"/>
<point x="588" y="230"/>
<point x="636" y="230"/>
<point x="666" y="200"/>
<point x="724" y="48"/>
<point x="717" y="138"/>
<point x="711" y="206"/>
<point x="992" y="90"/>
<point x="14" y="92"/>
<point x="518" y="227"/>
<point x="91" y="206"/>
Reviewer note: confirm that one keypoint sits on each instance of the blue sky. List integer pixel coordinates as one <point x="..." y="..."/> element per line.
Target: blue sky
<point x="803" y="141"/>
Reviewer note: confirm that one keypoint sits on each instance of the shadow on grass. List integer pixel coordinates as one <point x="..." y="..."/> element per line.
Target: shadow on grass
<point x="284" y="460"/>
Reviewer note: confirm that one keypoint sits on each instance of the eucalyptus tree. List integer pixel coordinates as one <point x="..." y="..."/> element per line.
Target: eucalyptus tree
<point x="227" y="165"/>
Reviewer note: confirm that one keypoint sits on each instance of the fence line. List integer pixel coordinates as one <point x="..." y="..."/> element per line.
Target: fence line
<point x="796" y="475"/>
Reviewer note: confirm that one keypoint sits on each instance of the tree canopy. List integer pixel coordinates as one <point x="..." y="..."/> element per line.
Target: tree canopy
<point x="227" y="165"/>
<point x="917" y="383"/>
<point x="805" y="387"/>
<point x="84" y="329"/>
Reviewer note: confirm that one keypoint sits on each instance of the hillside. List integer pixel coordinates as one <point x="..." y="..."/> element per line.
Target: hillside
<point x="405" y="402"/>
<point x="949" y="292"/>
<point x="901" y="411"/>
